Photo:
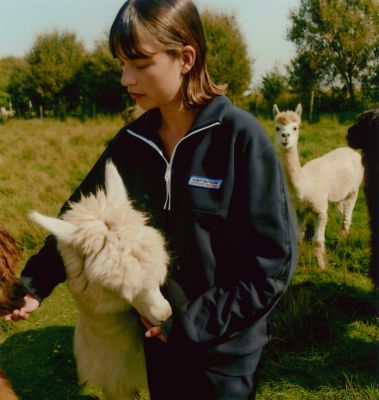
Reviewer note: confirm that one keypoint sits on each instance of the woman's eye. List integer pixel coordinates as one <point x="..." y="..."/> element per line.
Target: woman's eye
<point x="142" y="66"/>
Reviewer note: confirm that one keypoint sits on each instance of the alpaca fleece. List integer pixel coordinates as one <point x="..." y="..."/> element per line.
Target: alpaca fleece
<point x="12" y="292"/>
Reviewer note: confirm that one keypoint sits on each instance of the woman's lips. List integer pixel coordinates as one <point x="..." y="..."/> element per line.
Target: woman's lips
<point x="135" y="96"/>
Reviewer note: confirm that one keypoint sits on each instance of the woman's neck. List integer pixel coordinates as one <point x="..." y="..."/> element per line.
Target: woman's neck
<point x="176" y="122"/>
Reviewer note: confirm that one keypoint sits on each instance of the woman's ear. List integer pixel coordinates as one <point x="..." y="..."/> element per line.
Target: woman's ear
<point x="188" y="58"/>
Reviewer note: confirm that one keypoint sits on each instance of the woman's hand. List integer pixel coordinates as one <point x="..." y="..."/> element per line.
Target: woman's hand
<point x="31" y="304"/>
<point x="153" y="331"/>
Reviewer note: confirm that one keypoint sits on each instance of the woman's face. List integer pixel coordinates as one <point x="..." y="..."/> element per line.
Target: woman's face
<point x="155" y="81"/>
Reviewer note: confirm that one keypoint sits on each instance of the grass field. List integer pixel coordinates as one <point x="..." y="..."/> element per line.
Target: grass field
<point x="324" y="346"/>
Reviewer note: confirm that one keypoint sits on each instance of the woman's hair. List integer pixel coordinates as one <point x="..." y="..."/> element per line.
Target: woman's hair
<point x="173" y="24"/>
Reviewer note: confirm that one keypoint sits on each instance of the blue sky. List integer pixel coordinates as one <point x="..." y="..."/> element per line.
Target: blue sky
<point x="262" y="22"/>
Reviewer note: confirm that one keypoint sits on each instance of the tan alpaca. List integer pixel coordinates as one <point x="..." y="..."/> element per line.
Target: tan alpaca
<point x="335" y="177"/>
<point x="115" y="264"/>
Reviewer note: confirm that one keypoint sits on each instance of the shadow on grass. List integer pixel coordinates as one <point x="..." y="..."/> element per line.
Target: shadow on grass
<point x="325" y="336"/>
<point x="324" y="340"/>
<point x="40" y="364"/>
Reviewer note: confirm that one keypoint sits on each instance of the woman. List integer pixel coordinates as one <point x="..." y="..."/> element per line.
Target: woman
<point x="209" y="178"/>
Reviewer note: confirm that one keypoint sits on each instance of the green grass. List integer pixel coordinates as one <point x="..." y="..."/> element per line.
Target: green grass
<point x="324" y="345"/>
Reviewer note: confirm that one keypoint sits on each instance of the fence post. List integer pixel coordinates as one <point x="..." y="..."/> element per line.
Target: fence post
<point x="311" y="103"/>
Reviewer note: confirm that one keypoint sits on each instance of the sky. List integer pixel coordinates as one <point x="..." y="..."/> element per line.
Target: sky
<point x="263" y="24"/>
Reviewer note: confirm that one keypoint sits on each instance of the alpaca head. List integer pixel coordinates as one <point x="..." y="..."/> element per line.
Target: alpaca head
<point x="364" y="134"/>
<point x="12" y="291"/>
<point x="96" y="237"/>
<point x="287" y="125"/>
<point x="87" y="225"/>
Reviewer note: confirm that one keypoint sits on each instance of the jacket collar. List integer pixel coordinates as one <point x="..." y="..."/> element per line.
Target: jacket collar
<point x="147" y="125"/>
<point x="211" y="113"/>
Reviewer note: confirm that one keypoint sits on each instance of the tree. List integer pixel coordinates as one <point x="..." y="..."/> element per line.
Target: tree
<point x="371" y="90"/>
<point x="227" y="57"/>
<point x="53" y="61"/>
<point x="304" y="79"/>
<point x="7" y="66"/>
<point x="274" y="85"/>
<point x="341" y="37"/>
<point x="98" y="81"/>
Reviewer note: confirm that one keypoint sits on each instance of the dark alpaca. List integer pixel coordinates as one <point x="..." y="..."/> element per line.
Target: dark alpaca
<point x="364" y="134"/>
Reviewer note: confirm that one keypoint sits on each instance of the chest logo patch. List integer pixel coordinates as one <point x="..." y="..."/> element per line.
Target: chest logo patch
<point x="204" y="182"/>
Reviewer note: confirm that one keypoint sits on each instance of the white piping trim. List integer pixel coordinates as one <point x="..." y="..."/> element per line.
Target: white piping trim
<point x="168" y="173"/>
<point x="149" y="142"/>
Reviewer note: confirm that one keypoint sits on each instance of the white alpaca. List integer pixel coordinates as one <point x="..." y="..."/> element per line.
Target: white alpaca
<point x="334" y="177"/>
<point x="6" y="114"/>
<point x="114" y="262"/>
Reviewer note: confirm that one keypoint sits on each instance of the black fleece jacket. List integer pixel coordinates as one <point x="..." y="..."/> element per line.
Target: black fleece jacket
<point x="222" y="204"/>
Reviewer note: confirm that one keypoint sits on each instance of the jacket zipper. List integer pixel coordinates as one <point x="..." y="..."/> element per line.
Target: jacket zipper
<point x="168" y="172"/>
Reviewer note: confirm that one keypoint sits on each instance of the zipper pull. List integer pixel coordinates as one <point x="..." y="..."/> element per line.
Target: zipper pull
<point x="167" y="177"/>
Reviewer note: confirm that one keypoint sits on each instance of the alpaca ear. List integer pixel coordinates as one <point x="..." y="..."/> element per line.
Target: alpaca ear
<point x="114" y="185"/>
<point x="299" y="110"/>
<point x="59" y="228"/>
<point x="275" y="110"/>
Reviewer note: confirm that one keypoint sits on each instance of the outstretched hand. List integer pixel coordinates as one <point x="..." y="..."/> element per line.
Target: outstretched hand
<point x="31" y="304"/>
<point x="153" y="331"/>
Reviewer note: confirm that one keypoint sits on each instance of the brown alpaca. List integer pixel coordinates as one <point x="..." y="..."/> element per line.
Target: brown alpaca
<point x="364" y="134"/>
<point x="6" y="391"/>
<point x="11" y="294"/>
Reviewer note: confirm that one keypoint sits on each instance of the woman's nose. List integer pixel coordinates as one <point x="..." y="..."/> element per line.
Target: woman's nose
<point x="127" y="77"/>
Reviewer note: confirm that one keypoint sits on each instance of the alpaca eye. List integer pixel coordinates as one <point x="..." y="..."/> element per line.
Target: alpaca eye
<point x="277" y="129"/>
<point x="295" y="128"/>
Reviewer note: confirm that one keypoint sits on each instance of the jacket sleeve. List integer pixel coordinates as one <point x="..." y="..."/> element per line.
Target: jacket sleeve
<point x="45" y="270"/>
<point x="269" y="238"/>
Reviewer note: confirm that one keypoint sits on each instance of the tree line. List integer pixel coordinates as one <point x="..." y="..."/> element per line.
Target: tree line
<point x="58" y="76"/>
<point x="336" y="66"/>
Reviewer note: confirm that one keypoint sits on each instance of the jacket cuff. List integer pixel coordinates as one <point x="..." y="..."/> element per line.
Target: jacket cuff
<point x="167" y="327"/>
<point x="27" y="283"/>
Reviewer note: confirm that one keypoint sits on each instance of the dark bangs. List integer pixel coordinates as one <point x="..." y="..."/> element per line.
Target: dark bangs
<point x="123" y="38"/>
